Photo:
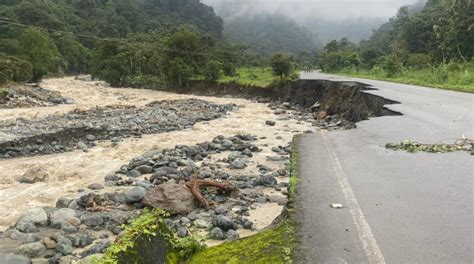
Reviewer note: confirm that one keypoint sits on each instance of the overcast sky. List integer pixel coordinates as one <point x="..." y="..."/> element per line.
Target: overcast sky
<point x="300" y="10"/>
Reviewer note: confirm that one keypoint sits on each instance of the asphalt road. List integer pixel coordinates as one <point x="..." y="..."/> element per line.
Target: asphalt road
<point x="398" y="207"/>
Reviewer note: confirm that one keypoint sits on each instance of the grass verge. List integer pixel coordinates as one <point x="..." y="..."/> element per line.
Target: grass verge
<point x="462" y="81"/>
<point x="275" y="245"/>
<point x="260" y="77"/>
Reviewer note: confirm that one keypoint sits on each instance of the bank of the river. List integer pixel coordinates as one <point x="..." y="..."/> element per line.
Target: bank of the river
<point x="73" y="174"/>
<point x="147" y="150"/>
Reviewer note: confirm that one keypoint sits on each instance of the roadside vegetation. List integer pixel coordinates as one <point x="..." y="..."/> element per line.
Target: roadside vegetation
<point x="145" y="230"/>
<point x="456" y="77"/>
<point x="282" y="68"/>
<point x="255" y="76"/>
<point x="430" y="46"/>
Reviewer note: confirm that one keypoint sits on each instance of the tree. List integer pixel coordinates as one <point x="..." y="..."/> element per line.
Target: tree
<point x="40" y="51"/>
<point x="282" y="64"/>
<point x="213" y="70"/>
<point x="14" y="69"/>
<point x="179" y="72"/>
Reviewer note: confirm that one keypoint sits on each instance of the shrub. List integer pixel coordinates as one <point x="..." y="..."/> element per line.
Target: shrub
<point x="419" y="60"/>
<point x="213" y="70"/>
<point x="13" y="69"/>
<point x="391" y="66"/>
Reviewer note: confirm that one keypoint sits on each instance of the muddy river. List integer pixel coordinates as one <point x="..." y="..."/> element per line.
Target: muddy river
<point x="72" y="171"/>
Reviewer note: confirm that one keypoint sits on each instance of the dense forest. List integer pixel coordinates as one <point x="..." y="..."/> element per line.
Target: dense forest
<point x="267" y="34"/>
<point x="438" y="37"/>
<point x="126" y="42"/>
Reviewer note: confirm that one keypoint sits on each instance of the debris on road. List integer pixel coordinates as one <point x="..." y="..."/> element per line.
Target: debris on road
<point x="462" y="144"/>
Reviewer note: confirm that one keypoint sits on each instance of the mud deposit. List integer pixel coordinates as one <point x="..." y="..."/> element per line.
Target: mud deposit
<point x="23" y="96"/>
<point x="79" y="129"/>
<point x="118" y="145"/>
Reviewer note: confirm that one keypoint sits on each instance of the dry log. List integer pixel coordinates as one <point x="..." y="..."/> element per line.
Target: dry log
<point x="194" y="186"/>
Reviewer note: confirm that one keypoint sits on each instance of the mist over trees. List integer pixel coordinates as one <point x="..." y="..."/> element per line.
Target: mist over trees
<point x="266" y="34"/>
<point x="437" y="35"/>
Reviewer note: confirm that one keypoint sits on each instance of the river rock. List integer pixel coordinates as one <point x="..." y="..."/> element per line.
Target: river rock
<point x="34" y="174"/>
<point x="144" y="169"/>
<point x="223" y="222"/>
<point x="64" y="245"/>
<point x="63" y="202"/>
<point x="134" y="173"/>
<point x="270" y="123"/>
<point x="61" y="216"/>
<point x="31" y="249"/>
<point x="97" y="247"/>
<point x="232" y="235"/>
<point x="226" y="144"/>
<point x="26" y="226"/>
<point x="36" y="216"/>
<point x="170" y="197"/>
<point x="266" y="180"/>
<point x="49" y="243"/>
<point x="111" y="178"/>
<point x="95" y="186"/>
<point x="217" y="234"/>
<point x="92" y="219"/>
<point x="90" y="138"/>
<point x="14" y="259"/>
<point x="201" y="223"/>
<point x="68" y="228"/>
<point x="135" y="194"/>
<point x="237" y="164"/>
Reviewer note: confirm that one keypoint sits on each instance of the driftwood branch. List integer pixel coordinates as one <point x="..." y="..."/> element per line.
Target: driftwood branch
<point x="195" y="185"/>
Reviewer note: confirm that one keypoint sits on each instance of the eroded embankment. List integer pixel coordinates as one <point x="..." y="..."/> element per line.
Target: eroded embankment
<point x="347" y="99"/>
<point x="248" y="147"/>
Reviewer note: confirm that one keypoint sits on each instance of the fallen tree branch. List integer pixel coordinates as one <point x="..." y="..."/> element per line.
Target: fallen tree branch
<point x="194" y="186"/>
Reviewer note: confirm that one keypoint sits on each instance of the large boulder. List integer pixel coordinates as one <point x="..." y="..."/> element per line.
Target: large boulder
<point x="13" y="259"/>
<point x="135" y="194"/>
<point x="61" y="216"/>
<point x="64" y="245"/>
<point x="31" y="249"/>
<point x="223" y="222"/>
<point x="36" y="216"/>
<point x="171" y="197"/>
<point x="34" y="174"/>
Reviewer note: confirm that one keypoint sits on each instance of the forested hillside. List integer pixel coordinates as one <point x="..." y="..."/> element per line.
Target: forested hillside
<point x="268" y="34"/>
<point x="123" y="41"/>
<point x="434" y="42"/>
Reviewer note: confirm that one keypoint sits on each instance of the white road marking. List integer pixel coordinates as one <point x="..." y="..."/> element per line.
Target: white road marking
<point x="369" y="243"/>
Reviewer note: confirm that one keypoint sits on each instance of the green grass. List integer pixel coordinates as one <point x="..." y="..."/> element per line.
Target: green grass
<point x="261" y="77"/>
<point x="460" y="80"/>
<point x="272" y="246"/>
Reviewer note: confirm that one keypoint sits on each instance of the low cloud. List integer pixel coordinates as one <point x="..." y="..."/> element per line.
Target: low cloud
<point x="304" y="10"/>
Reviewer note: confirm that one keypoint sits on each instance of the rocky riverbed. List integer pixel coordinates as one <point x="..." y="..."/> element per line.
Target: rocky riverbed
<point x="79" y="129"/>
<point x="23" y="96"/>
<point x="70" y="203"/>
<point x="84" y="226"/>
